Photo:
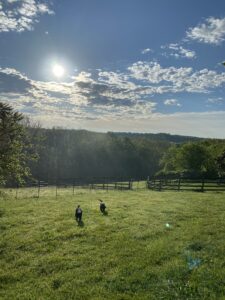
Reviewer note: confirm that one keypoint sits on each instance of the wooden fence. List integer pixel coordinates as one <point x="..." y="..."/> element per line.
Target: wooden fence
<point x="112" y="186"/>
<point x="97" y="184"/>
<point x="36" y="189"/>
<point x="180" y="184"/>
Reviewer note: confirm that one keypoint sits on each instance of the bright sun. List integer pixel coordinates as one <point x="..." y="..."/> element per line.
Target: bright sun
<point x="58" y="71"/>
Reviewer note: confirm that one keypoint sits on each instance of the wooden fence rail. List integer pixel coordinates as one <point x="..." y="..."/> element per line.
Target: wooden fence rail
<point x="112" y="186"/>
<point x="36" y="189"/>
<point x="180" y="184"/>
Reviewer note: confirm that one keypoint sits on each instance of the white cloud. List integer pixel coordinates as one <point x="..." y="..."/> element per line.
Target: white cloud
<point x="172" y="102"/>
<point x="187" y="53"/>
<point x="218" y="100"/>
<point x="210" y="32"/>
<point x="20" y="15"/>
<point x="83" y="76"/>
<point x="179" y="51"/>
<point x="172" y="79"/>
<point x="154" y="73"/>
<point x="106" y="96"/>
<point x="43" y="8"/>
<point x="147" y="50"/>
<point x="116" y="78"/>
<point x="83" y="97"/>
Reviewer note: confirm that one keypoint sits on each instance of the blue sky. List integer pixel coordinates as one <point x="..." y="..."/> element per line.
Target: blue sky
<point x="131" y="65"/>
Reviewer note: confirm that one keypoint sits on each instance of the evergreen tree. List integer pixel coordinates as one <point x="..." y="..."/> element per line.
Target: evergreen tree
<point x="15" y="147"/>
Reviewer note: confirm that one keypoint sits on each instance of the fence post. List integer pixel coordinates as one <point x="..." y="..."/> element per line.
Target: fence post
<point x="130" y="184"/>
<point x="17" y="188"/>
<point x="179" y="180"/>
<point x="160" y="185"/>
<point x="39" y="186"/>
<point x="203" y="184"/>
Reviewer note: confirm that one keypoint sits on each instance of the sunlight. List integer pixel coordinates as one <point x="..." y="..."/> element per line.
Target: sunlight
<point x="58" y="70"/>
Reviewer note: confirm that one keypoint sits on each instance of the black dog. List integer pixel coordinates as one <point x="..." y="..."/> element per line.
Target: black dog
<point x="102" y="206"/>
<point x="78" y="214"/>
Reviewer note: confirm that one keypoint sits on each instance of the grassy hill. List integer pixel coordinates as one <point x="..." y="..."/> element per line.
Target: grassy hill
<point x="151" y="245"/>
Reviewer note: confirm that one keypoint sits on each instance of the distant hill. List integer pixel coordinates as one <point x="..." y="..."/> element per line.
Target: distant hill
<point x="164" y="137"/>
<point x="159" y="137"/>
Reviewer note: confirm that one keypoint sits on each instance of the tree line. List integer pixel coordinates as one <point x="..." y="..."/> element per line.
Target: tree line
<point x="67" y="154"/>
<point x="202" y="159"/>
<point x="29" y="152"/>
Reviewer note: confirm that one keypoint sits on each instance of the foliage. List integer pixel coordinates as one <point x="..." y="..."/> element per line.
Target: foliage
<point x="151" y="245"/>
<point x="194" y="159"/>
<point x="221" y="162"/>
<point x="68" y="154"/>
<point x="15" y="147"/>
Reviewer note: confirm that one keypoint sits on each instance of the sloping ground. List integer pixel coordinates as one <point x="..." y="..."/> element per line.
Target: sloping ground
<point x="151" y="245"/>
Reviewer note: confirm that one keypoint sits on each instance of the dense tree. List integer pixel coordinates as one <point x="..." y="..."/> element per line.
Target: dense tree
<point x="220" y="160"/>
<point x="15" y="147"/>
<point x="68" y="154"/>
<point x="195" y="159"/>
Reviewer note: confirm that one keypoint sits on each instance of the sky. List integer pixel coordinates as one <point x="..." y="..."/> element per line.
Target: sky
<point x="111" y="65"/>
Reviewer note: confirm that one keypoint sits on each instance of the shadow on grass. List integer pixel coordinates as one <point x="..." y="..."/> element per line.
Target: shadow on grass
<point x="2" y="212"/>
<point x="197" y="246"/>
<point x="80" y="223"/>
<point x="105" y="213"/>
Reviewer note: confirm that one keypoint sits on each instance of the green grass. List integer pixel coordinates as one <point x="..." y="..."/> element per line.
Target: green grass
<point x="129" y="254"/>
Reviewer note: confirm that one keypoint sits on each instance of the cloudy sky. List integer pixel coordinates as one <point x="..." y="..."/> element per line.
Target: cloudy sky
<point x="112" y="65"/>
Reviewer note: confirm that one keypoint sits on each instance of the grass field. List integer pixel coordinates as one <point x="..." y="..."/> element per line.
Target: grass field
<point x="151" y="245"/>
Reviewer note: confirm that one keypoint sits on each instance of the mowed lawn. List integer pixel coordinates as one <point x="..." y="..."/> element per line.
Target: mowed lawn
<point x="151" y="245"/>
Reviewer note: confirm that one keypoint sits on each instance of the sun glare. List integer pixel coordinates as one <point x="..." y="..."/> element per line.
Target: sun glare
<point x="58" y="71"/>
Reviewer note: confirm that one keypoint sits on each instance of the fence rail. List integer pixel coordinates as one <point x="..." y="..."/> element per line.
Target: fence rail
<point x="40" y="188"/>
<point x="180" y="184"/>
<point x="64" y="187"/>
<point x="113" y="186"/>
